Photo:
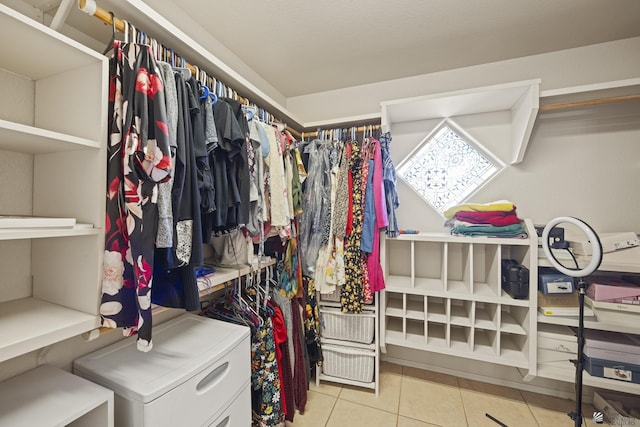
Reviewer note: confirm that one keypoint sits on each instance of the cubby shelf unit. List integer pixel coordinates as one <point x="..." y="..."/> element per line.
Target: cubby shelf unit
<point x="443" y="294"/>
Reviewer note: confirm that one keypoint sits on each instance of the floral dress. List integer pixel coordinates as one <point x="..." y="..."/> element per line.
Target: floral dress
<point x="138" y="158"/>
<point x="351" y="295"/>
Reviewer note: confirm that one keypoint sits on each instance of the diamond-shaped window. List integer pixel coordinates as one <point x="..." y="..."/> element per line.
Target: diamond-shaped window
<point x="446" y="168"/>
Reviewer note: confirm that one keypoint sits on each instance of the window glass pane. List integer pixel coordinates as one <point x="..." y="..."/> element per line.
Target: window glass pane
<point x="446" y="169"/>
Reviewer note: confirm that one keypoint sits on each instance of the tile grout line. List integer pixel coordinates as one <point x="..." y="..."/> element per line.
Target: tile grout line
<point x="333" y="407"/>
<point x="524" y="399"/>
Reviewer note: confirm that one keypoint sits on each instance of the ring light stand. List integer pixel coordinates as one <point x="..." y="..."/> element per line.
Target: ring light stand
<point x="596" y="259"/>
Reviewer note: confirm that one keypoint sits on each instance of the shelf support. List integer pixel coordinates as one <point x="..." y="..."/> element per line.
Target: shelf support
<point x="61" y="14"/>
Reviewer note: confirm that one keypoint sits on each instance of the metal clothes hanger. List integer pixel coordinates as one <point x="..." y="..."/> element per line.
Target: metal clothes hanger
<point x="113" y="34"/>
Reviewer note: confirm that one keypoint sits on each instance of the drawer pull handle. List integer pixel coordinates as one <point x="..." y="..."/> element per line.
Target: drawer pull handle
<point x="212" y="378"/>
<point x="224" y="422"/>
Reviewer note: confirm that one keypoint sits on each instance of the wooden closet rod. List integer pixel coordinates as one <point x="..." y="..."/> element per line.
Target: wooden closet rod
<point x="589" y="102"/>
<point x="315" y="133"/>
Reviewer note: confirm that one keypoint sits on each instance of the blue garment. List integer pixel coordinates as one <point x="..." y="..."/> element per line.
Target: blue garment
<point x="390" y="192"/>
<point x="369" y="221"/>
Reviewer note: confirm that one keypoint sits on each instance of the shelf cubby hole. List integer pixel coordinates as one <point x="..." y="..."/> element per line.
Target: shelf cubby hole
<point x="414" y="307"/>
<point x="520" y="253"/>
<point x="428" y="265"/>
<point x="460" y="338"/>
<point x="486" y="270"/>
<point x="513" y="346"/>
<point x="395" y="329"/>
<point x="415" y="331"/>
<point x="486" y="316"/>
<point x="395" y="307"/>
<point x="398" y="263"/>
<point x="437" y="334"/>
<point x="461" y="312"/>
<point x="485" y="342"/>
<point x="459" y="267"/>
<point x="437" y="309"/>
<point x="514" y="320"/>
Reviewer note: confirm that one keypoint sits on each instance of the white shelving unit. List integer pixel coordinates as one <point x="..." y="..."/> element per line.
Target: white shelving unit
<point x="48" y="396"/>
<point x="624" y="261"/>
<point x="443" y="294"/>
<point x="52" y="164"/>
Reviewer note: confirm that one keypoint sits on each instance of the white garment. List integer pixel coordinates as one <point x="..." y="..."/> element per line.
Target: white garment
<point x="275" y="163"/>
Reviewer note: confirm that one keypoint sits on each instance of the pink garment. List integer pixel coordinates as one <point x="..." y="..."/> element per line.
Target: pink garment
<point x="495" y="218"/>
<point x="376" y="277"/>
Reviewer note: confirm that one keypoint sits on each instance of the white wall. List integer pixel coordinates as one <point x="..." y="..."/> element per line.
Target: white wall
<point x="583" y="163"/>
<point x="604" y="62"/>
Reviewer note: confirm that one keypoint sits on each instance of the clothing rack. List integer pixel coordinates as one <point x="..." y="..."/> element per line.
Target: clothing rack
<point x="341" y="129"/>
<point x="589" y="102"/>
<point x="123" y="26"/>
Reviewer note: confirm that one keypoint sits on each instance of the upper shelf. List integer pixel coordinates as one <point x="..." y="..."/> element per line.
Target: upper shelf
<point x="29" y="139"/>
<point x="521" y="99"/>
<point x="49" y="52"/>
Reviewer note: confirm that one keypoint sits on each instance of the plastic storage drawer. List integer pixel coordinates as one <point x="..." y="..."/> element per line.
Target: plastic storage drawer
<point x="187" y="379"/>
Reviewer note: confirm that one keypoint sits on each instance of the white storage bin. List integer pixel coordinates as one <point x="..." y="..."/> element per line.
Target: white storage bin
<point x="196" y="365"/>
<point x="347" y="326"/>
<point x="348" y="362"/>
<point x="334" y="296"/>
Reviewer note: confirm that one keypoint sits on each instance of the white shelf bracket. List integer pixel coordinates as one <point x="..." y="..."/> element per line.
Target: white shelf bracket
<point x="61" y="14"/>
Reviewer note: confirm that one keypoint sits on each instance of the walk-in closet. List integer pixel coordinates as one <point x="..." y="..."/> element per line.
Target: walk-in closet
<point x="276" y="214"/>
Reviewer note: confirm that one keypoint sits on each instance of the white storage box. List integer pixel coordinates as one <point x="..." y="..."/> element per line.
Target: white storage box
<point x="348" y="362"/>
<point x="347" y="326"/>
<point x="197" y="365"/>
<point x="618" y="409"/>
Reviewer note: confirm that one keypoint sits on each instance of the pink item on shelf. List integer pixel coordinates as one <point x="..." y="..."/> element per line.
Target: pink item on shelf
<point x="497" y="218"/>
<point x="612" y="291"/>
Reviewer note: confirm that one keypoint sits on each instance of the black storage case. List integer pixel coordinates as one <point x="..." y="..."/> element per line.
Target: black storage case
<point x="515" y="279"/>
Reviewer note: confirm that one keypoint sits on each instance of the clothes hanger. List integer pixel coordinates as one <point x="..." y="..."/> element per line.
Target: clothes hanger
<point x="113" y="34"/>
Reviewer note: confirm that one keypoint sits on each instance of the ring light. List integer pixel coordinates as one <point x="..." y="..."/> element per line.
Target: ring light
<point x="594" y="263"/>
<point x="596" y="247"/>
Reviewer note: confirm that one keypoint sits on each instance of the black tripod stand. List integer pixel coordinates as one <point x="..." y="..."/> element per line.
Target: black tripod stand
<point x="594" y="264"/>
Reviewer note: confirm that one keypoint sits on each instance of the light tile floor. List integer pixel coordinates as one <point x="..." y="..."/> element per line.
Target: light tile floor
<point x="412" y="397"/>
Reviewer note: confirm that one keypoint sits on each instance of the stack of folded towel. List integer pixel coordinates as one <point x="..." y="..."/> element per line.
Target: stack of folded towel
<point x="495" y="219"/>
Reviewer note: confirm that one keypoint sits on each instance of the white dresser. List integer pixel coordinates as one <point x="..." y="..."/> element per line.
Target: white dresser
<point x="197" y="374"/>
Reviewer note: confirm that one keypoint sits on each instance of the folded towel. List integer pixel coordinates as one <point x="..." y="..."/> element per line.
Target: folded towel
<point x="515" y="230"/>
<point x="497" y="218"/>
<point x="500" y="205"/>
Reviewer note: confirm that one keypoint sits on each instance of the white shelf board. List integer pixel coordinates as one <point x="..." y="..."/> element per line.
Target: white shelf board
<point x="485" y="289"/>
<point x="401" y="283"/>
<point x="482" y="353"/>
<point x="52" y="397"/>
<point x="28" y="324"/>
<point x="564" y="371"/>
<point x="28" y="139"/>
<point x="429" y="284"/>
<point x="48" y="53"/>
<point x="446" y="237"/>
<point x="38" y="233"/>
<point x="623" y="261"/>
<point x="436" y="317"/>
<point x="394" y="312"/>
<point x="458" y="287"/>
<point x="630" y="328"/>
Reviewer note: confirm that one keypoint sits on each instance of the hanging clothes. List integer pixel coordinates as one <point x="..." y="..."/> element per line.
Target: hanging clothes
<point x="175" y="267"/>
<point x="376" y="275"/>
<point x="351" y="296"/>
<point x="390" y="180"/>
<point x="138" y="159"/>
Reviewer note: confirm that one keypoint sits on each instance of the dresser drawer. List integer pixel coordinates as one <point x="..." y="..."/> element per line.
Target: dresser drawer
<point x="195" y="401"/>
<point x="237" y="413"/>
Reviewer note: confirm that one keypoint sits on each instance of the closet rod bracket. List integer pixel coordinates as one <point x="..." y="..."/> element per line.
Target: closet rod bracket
<point x="88" y="6"/>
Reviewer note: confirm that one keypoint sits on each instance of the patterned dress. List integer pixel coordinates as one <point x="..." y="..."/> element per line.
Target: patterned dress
<point x="138" y="159"/>
<point x="351" y="296"/>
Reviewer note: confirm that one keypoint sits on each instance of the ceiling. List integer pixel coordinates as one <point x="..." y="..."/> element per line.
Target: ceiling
<point x="301" y="47"/>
